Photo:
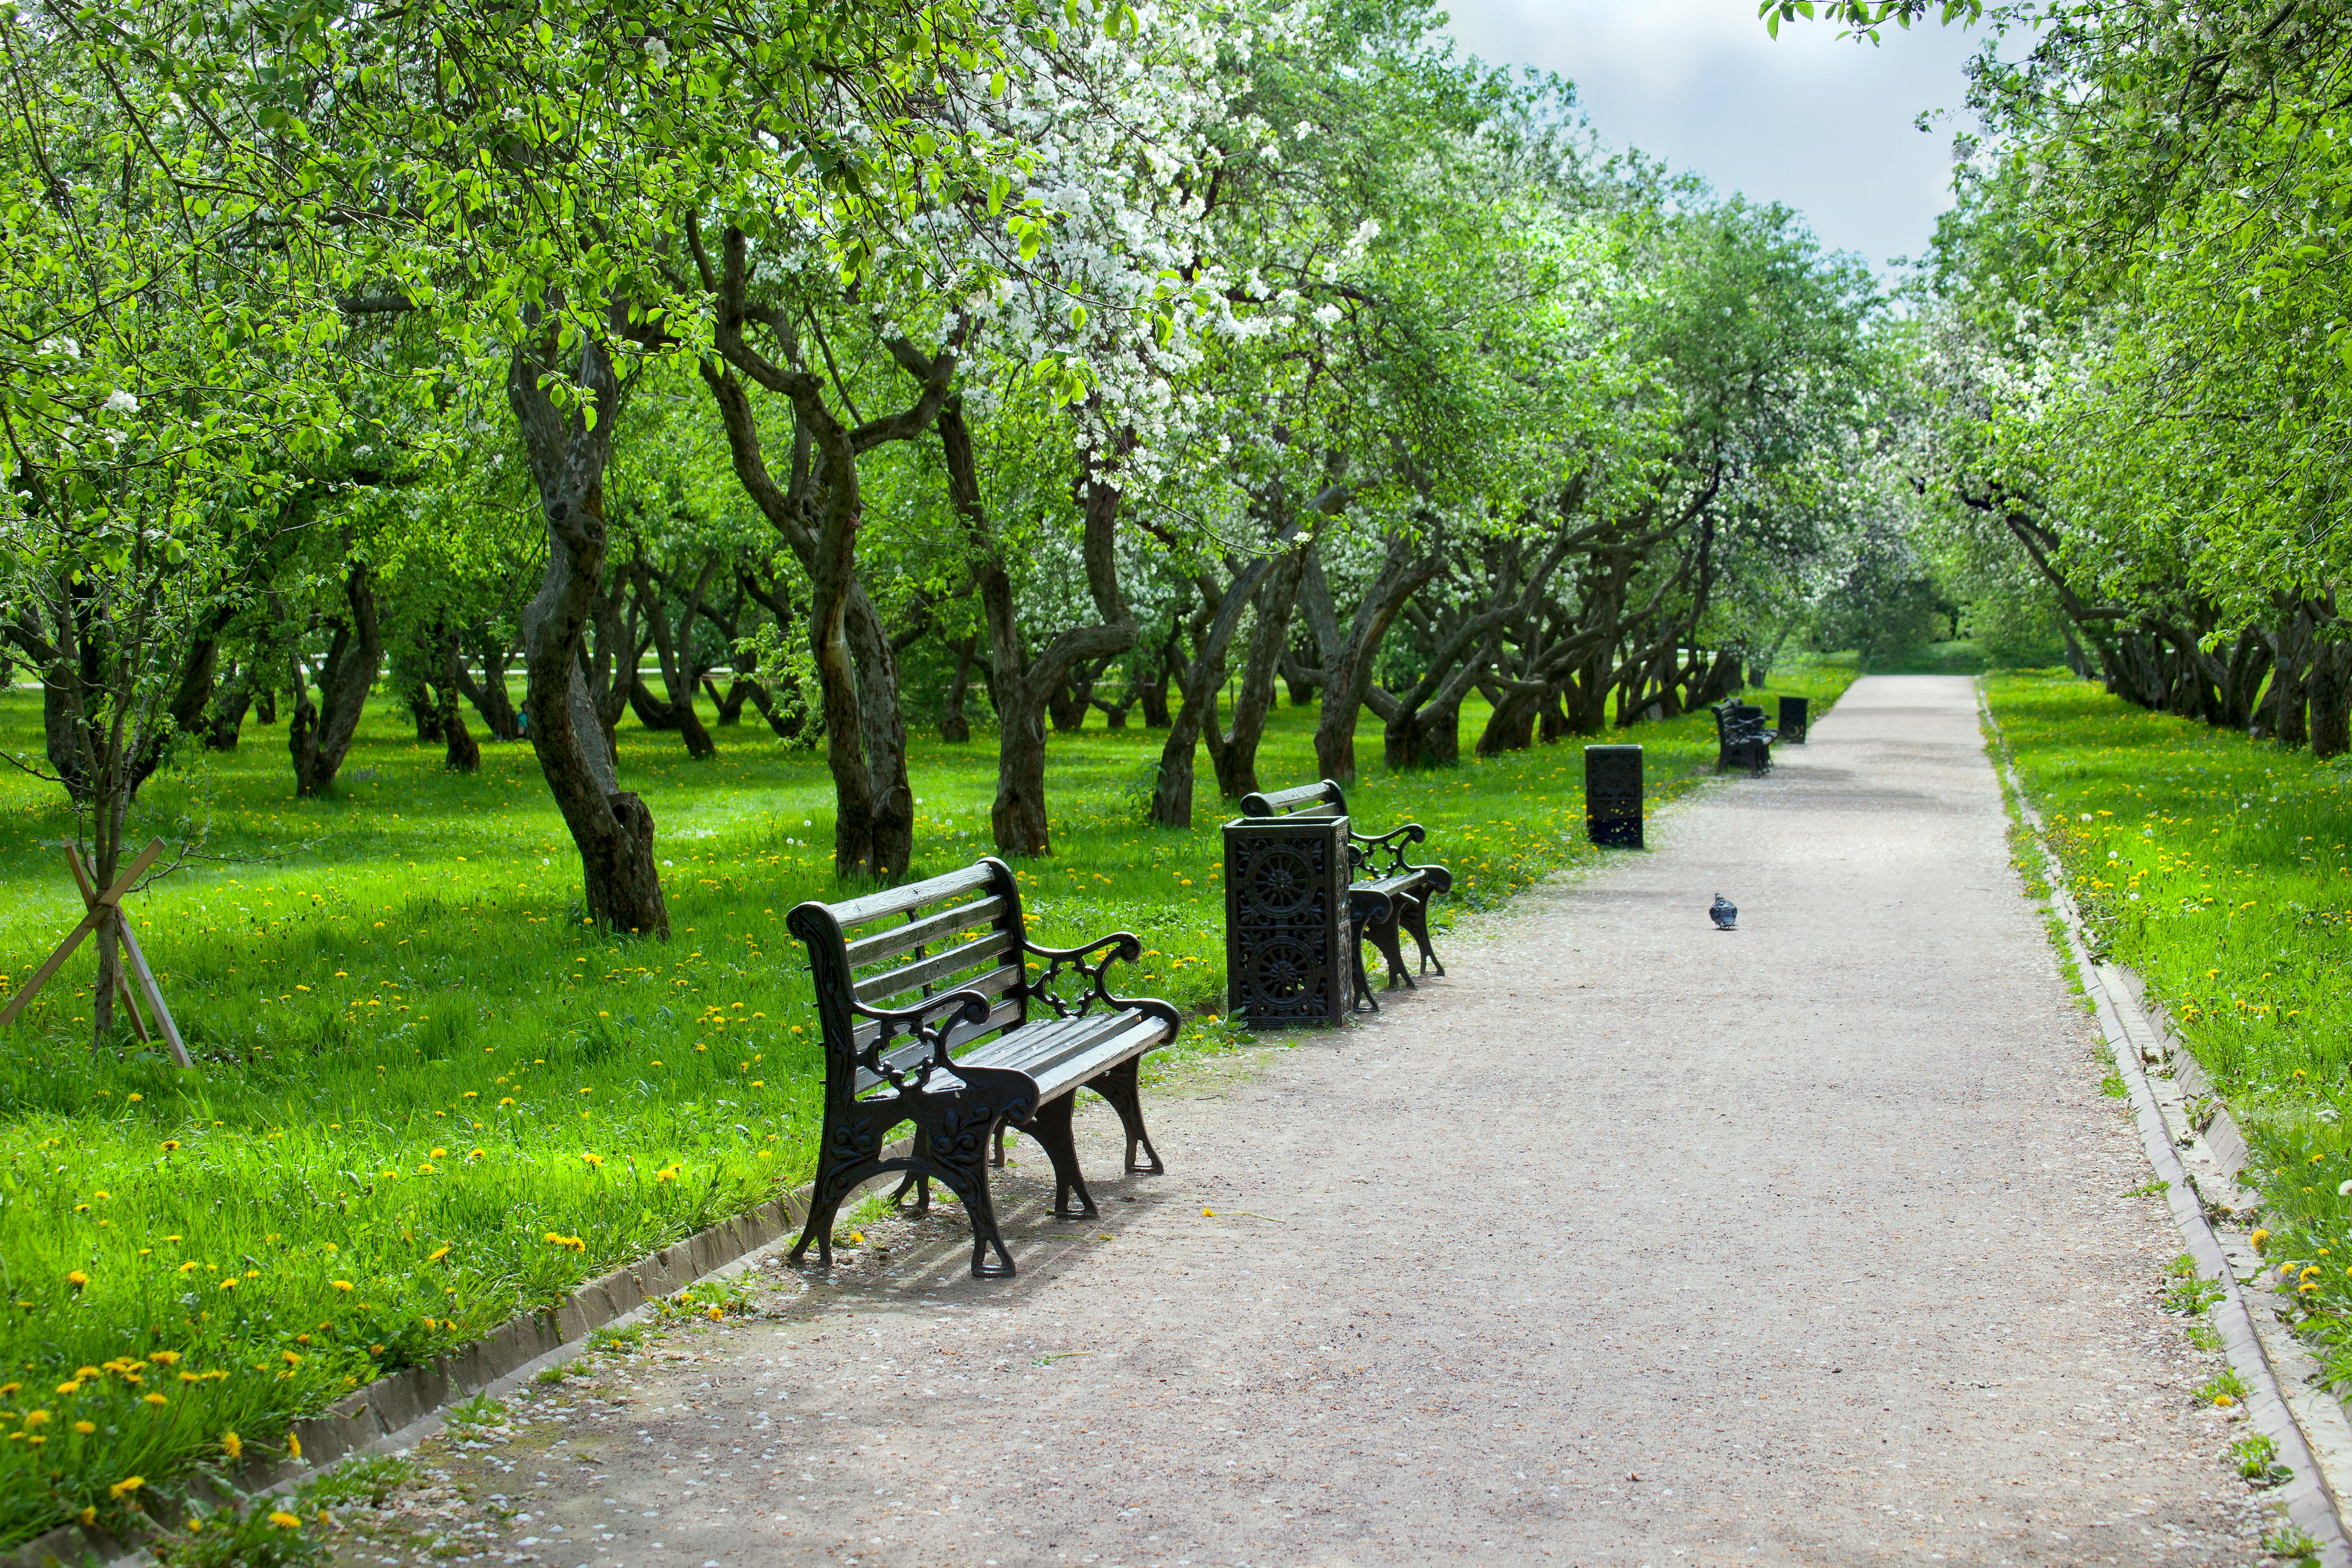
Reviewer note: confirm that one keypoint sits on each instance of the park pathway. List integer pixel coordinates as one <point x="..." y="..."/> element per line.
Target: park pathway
<point x="1630" y="1242"/>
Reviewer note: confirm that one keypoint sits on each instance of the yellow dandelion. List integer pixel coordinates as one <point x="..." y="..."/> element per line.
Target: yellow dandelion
<point x="232" y="1444"/>
<point x="284" y="1521"/>
<point x="77" y="1279"/>
<point x="342" y="1285"/>
<point x="437" y="1255"/>
<point x="152" y="1399"/>
<point x="125" y="1487"/>
<point x="84" y="1428"/>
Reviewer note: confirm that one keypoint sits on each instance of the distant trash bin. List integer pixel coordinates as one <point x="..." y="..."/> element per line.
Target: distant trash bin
<point x="1793" y="712"/>
<point x="1613" y="796"/>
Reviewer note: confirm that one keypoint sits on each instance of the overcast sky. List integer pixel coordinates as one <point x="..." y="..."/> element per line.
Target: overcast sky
<point x="1822" y="125"/>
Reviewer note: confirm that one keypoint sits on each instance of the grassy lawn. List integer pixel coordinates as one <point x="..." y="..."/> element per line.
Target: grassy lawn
<point x="429" y="1095"/>
<point x="2219" y="869"/>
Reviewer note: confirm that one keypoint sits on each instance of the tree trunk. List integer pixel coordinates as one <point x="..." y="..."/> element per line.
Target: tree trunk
<point x="890" y="831"/>
<point x="1294" y="676"/>
<point x="265" y="705"/>
<point x="1153" y="692"/>
<point x="1511" y="727"/>
<point x="614" y="832"/>
<point x="676" y="678"/>
<point x="1202" y="679"/>
<point x="1068" y="703"/>
<point x="489" y="697"/>
<point x="2290" y="674"/>
<point x="954" y="728"/>
<point x="462" y="754"/>
<point x="320" y="736"/>
<point x="1236" y="761"/>
<point x="230" y="704"/>
<point x="1023" y="688"/>
<point x="1348" y="662"/>
<point x="425" y="711"/>
<point x="2329" y="686"/>
<point x="818" y="514"/>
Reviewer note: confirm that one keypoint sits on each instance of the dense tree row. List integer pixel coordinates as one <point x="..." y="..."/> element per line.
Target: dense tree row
<point x="2128" y="374"/>
<point x="878" y="365"/>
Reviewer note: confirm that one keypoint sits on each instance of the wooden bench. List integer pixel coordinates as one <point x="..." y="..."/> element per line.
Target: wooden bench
<point x="1741" y="740"/>
<point x="932" y="1016"/>
<point x="1407" y="888"/>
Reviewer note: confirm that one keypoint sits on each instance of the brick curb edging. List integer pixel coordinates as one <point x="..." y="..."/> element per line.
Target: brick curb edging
<point x="2292" y="1422"/>
<point x="394" y="1403"/>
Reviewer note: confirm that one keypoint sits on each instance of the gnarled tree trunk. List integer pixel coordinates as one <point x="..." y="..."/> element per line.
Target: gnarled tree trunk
<point x="321" y="735"/>
<point x="614" y="832"/>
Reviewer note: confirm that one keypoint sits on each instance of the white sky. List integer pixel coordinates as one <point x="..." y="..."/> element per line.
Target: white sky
<point x="1820" y="124"/>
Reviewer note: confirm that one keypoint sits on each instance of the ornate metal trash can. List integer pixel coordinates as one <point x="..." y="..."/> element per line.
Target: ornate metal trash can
<point x="1613" y="796"/>
<point x="1287" y="958"/>
<point x="1793" y="711"/>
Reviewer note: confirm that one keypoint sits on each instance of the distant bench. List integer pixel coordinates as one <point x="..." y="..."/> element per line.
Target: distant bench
<point x="959" y="1054"/>
<point x="1741" y="739"/>
<point x="1387" y="897"/>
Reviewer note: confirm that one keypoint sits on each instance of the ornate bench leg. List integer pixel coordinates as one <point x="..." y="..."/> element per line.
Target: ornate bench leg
<point x="1121" y="1087"/>
<point x="1050" y="1126"/>
<point x="1383" y="933"/>
<point x="1415" y="916"/>
<point x="969" y="1180"/>
<point x="849" y="1154"/>
<point x="922" y="1189"/>
<point x="1365" y="1001"/>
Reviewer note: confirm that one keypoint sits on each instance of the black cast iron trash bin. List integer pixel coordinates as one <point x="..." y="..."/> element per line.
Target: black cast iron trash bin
<point x="1289" y="943"/>
<point x="1613" y="796"/>
<point x="1793" y="711"/>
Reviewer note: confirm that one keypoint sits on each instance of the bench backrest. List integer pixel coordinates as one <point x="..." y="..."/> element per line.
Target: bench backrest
<point x="960" y="931"/>
<point x="1322" y="798"/>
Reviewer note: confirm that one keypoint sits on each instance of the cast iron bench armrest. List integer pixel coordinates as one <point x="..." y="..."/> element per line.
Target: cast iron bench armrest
<point x="1131" y="942"/>
<point x="1127" y="947"/>
<point x="1393" y="841"/>
<point x="966" y="1006"/>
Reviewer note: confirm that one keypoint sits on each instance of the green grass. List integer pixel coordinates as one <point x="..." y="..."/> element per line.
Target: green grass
<point x="429" y="1095"/>
<point x="1958" y="658"/>
<point x="2219" y="869"/>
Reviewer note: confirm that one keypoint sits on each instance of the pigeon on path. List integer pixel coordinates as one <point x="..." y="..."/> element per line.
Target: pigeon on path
<point x="1724" y="912"/>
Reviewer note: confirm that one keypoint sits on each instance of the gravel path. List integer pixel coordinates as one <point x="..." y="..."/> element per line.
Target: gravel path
<point x="1631" y="1243"/>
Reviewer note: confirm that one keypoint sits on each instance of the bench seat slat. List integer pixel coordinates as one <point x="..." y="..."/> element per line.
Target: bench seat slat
<point x="1056" y="1053"/>
<point x="1069" y="1051"/>
<point x="914" y="895"/>
<point x="922" y="972"/>
<point x="891" y="944"/>
<point x="1282" y="799"/>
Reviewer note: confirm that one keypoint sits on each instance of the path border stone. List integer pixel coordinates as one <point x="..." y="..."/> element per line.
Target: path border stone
<point x="2197" y="1156"/>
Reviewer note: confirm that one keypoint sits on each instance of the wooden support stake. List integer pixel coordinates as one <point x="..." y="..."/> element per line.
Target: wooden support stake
<point x="154" y="998"/>
<point x="75" y="938"/>
<point x="121" y="976"/>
